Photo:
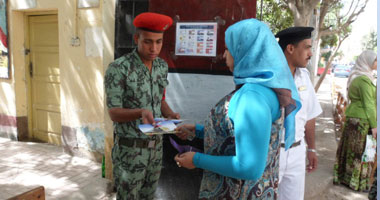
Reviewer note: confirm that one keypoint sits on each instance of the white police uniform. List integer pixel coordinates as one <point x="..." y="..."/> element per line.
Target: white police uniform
<point x="293" y="161"/>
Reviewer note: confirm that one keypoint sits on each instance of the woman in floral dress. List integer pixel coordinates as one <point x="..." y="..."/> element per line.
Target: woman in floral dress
<point x="360" y="114"/>
<point x="242" y="132"/>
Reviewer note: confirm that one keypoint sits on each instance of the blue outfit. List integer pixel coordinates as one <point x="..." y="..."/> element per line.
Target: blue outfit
<point x="220" y="142"/>
<point x="252" y="148"/>
<point x="241" y="134"/>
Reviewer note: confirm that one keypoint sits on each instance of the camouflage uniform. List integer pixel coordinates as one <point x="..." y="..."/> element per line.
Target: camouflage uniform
<point x="129" y="84"/>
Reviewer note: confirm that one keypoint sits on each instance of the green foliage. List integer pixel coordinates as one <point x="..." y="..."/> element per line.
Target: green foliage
<point x="329" y="40"/>
<point x="332" y="21"/>
<point x="369" y="41"/>
<point x="326" y="55"/>
<point x="276" y="14"/>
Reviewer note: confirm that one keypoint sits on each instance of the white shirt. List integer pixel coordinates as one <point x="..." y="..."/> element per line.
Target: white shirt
<point x="310" y="106"/>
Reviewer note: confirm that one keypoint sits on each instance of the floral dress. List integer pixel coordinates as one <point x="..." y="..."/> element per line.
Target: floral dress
<point x="348" y="168"/>
<point x="219" y="139"/>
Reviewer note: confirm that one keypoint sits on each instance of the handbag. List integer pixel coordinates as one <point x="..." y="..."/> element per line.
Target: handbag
<point x="370" y="149"/>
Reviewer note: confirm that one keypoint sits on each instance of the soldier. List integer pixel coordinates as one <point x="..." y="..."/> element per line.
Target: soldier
<point x="135" y="85"/>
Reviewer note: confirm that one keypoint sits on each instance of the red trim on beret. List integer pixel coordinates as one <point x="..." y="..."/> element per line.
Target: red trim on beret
<point x="152" y="22"/>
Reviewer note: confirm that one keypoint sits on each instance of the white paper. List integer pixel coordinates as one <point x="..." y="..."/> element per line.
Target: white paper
<point x="163" y="127"/>
<point x="370" y="150"/>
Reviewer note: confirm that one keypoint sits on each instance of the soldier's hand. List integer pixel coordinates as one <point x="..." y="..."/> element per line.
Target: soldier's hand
<point x="185" y="131"/>
<point x="185" y="160"/>
<point x="174" y="115"/>
<point x="147" y="117"/>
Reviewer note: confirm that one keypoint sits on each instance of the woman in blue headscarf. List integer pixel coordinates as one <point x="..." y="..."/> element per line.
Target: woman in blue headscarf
<point x="242" y="132"/>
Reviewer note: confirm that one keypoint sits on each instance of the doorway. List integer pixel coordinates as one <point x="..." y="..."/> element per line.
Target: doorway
<point x="44" y="76"/>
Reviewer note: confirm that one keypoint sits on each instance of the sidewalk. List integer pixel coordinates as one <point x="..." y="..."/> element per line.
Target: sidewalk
<point x="26" y="165"/>
<point x="318" y="185"/>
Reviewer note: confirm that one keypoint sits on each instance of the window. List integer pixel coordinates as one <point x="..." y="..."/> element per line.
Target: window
<point x="126" y="11"/>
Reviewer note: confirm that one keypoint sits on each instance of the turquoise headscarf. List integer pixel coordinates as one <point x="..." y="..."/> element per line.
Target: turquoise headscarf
<point x="259" y="59"/>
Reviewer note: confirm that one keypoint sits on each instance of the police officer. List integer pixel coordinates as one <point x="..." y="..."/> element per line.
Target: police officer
<point x="296" y="45"/>
<point x="135" y="85"/>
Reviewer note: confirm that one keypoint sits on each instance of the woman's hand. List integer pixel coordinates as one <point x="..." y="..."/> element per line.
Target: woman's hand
<point x="185" y="131"/>
<point x="185" y="160"/>
<point x="374" y="132"/>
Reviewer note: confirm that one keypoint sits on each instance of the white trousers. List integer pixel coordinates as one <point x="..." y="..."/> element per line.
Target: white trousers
<point x="292" y="173"/>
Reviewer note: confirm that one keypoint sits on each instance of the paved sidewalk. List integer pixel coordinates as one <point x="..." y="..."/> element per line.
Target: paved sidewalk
<point x="319" y="184"/>
<point x="26" y="165"/>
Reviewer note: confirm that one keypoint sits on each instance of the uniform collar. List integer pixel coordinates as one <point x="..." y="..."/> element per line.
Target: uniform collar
<point x="297" y="72"/>
<point x="140" y="62"/>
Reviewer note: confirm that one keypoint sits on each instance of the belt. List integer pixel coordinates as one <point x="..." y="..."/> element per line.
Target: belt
<point x="293" y="145"/>
<point x="138" y="142"/>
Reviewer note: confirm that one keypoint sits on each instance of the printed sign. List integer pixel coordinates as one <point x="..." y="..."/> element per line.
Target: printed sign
<point x="196" y="39"/>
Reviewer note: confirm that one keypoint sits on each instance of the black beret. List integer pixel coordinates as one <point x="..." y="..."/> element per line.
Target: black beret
<point x="293" y="35"/>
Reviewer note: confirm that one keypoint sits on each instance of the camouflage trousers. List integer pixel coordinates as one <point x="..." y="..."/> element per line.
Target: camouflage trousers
<point x="136" y="171"/>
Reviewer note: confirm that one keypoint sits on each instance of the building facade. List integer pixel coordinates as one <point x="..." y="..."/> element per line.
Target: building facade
<point x="57" y="53"/>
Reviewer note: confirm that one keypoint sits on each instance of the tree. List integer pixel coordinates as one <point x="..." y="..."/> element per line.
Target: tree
<point x="333" y="52"/>
<point x="276" y="14"/>
<point x="334" y="19"/>
<point x="370" y="41"/>
<point x="302" y="10"/>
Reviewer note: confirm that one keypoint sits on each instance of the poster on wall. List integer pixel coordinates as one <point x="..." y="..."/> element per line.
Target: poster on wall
<point x="196" y="39"/>
<point x="4" y="58"/>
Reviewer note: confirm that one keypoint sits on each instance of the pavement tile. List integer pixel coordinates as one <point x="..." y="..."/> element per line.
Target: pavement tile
<point x="318" y="185"/>
<point x="37" y="164"/>
<point x="6" y="195"/>
<point x="26" y="165"/>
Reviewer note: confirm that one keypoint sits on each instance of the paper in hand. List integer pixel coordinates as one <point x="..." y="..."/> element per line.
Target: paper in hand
<point x="183" y="148"/>
<point x="163" y="127"/>
<point x="175" y="121"/>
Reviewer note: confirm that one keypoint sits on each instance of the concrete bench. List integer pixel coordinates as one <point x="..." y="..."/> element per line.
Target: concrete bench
<point x="34" y="194"/>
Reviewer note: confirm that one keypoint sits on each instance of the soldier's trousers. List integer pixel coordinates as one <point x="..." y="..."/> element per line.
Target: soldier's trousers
<point x="136" y="171"/>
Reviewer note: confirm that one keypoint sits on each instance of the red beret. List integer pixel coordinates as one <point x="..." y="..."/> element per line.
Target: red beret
<point x="152" y="22"/>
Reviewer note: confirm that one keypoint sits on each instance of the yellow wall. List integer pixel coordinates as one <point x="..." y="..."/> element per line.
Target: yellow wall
<point x="81" y="67"/>
<point x="109" y="29"/>
<point x="7" y="98"/>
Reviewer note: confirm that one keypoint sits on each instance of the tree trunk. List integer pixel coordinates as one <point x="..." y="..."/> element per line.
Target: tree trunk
<point x="314" y="60"/>
<point x="313" y="65"/>
<point x="323" y="75"/>
<point x="302" y="10"/>
<point x="305" y="14"/>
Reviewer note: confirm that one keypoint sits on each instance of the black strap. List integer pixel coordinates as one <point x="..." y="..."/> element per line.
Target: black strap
<point x="293" y="145"/>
